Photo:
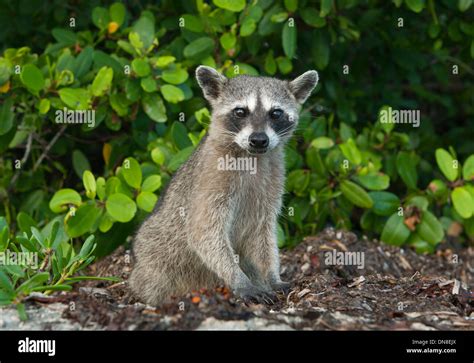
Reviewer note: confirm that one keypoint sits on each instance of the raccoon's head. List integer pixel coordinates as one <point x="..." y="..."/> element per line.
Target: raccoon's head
<point x="255" y="114"/>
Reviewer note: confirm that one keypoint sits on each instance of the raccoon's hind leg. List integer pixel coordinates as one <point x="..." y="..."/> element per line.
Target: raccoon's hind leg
<point x="151" y="286"/>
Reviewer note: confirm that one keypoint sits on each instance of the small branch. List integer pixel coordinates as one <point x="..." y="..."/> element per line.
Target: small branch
<point x="50" y="145"/>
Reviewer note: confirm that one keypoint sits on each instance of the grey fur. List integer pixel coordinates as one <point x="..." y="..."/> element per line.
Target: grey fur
<point x="214" y="226"/>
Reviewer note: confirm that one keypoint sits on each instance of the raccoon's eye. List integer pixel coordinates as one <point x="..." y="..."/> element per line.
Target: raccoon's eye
<point x="240" y="112"/>
<point x="276" y="114"/>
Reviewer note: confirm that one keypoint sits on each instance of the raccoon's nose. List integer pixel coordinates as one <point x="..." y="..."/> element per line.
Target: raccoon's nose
<point x="258" y="140"/>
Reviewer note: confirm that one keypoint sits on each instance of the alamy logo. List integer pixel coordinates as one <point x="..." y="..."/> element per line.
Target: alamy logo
<point x="237" y="164"/>
<point x="10" y="258"/>
<point x="66" y="116"/>
<point x="389" y="116"/>
<point x="28" y="345"/>
<point x="338" y="258"/>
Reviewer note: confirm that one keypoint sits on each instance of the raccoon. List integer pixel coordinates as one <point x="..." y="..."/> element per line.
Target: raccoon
<point x="217" y="223"/>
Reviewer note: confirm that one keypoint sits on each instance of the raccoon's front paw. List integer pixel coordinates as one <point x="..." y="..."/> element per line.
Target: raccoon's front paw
<point x="281" y="286"/>
<point x="253" y="294"/>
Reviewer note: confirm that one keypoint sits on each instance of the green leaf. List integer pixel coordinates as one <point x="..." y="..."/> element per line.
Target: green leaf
<point x="100" y="186"/>
<point x="5" y="283"/>
<point x="446" y="164"/>
<point x="231" y="5"/>
<point x="126" y="46"/>
<point x="298" y="181"/>
<point x="248" y="27"/>
<point x="145" y="28"/>
<point x="117" y="13"/>
<point x="463" y="202"/>
<point x="80" y="163"/>
<point x="284" y="65"/>
<point x="35" y="281"/>
<point x="132" y="172"/>
<point x="355" y="194"/>
<point x="132" y="90"/>
<point x="158" y="156"/>
<point x="141" y="67"/>
<point x="385" y="119"/>
<point x="119" y="103"/>
<point x="385" y="203"/>
<point x="463" y="5"/>
<point x="289" y="39"/>
<point x="406" y="168"/>
<point x="106" y="223"/>
<point x="84" y="220"/>
<point x="430" y="229"/>
<point x="20" y="308"/>
<point x="44" y="106"/>
<point x="148" y="84"/>
<point x="146" y="201"/>
<point x="395" y="232"/>
<point x="25" y="222"/>
<point x="351" y="152"/>
<point x="314" y="161"/>
<point x="421" y="246"/>
<point x="199" y="47"/>
<point x="311" y="17"/>
<point x="121" y="207"/>
<point x="5" y="70"/>
<point x="374" y="181"/>
<point x="270" y="65"/>
<point x="175" y="76"/>
<point x="415" y="5"/>
<point x="89" y="184"/>
<point x="154" y="107"/>
<point x="75" y="98"/>
<point x="325" y="7"/>
<point x="152" y="183"/>
<point x="320" y="50"/>
<point x="60" y="287"/>
<point x="62" y="198"/>
<point x="102" y="81"/>
<point x="83" y="62"/>
<point x="438" y="188"/>
<point x="172" y="93"/>
<point x="279" y="17"/>
<point x="179" y="158"/>
<point x="6" y="116"/>
<point x="100" y="17"/>
<point x="193" y="23"/>
<point x="419" y="201"/>
<point x="291" y="5"/>
<point x="32" y="78"/>
<point x="322" y="142"/>
<point x="180" y="136"/>
<point x="87" y="248"/>
<point x="64" y="36"/>
<point x="467" y="169"/>
<point x="228" y="40"/>
<point x="164" y="61"/>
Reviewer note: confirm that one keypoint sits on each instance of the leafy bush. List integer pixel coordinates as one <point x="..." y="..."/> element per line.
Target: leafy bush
<point x="132" y="66"/>
<point x="39" y="261"/>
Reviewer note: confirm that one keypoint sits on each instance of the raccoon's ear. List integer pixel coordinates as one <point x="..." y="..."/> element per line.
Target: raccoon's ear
<point x="211" y="81"/>
<point x="302" y="86"/>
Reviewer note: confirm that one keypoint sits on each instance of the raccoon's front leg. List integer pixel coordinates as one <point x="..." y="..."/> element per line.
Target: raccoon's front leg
<point x="262" y="256"/>
<point x="209" y="240"/>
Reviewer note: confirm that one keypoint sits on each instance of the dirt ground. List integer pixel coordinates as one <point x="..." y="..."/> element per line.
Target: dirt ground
<point x="396" y="289"/>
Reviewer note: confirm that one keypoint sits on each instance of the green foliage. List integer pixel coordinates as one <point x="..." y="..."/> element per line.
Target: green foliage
<point x="133" y="66"/>
<point x="40" y="261"/>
